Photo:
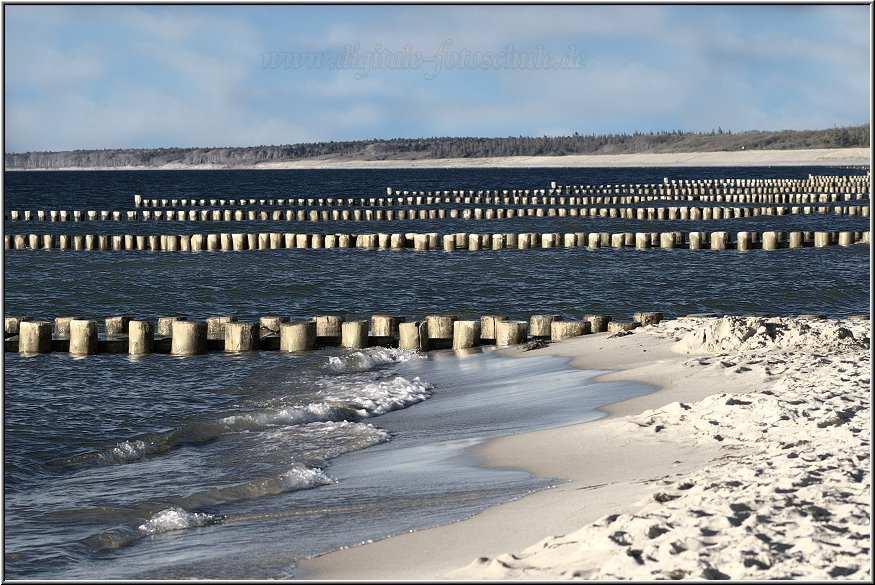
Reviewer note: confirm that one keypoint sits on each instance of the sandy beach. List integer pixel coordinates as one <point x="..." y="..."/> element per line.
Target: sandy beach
<point x="750" y="461"/>
<point x="754" y="158"/>
<point x="839" y="156"/>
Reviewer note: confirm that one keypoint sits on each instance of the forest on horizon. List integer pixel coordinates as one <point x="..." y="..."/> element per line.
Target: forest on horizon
<point x="450" y="147"/>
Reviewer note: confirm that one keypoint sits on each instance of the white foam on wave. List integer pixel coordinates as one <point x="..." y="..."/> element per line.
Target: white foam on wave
<point x="359" y="361"/>
<point x="345" y="400"/>
<point x="350" y="397"/>
<point x="129" y="451"/>
<point x="376" y="398"/>
<point x="126" y="451"/>
<point x="298" y="477"/>
<point x="171" y="519"/>
<point x="326" y="440"/>
<point x="293" y="415"/>
<point x="302" y="478"/>
<point x="333" y="430"/>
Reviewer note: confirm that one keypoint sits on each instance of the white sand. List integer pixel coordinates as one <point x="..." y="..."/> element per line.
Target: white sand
<point x="839" y="156"/>
<point x="825" y="156"/>
<point x="752" y="461"/>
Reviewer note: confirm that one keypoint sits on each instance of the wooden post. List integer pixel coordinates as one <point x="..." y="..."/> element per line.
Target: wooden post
<point x="510" y="332"/>
<point x="189" y="338"/>
<point x="539" y="325"/>
<point x="598" y="323"/>
<point x="385" y="325"/>
<point x="413" y="335"/>
<point x="466" y="334"/>
<point x="298" y="336"/>
<point x="560" y="330"/>
<point x="83" y="337"/>
<point x="648" y="318"/>
<point x="141" y="337"/>
<point x="34" y="337"/>
<point x="354" y="334"/>
<point x="241" y="337"/>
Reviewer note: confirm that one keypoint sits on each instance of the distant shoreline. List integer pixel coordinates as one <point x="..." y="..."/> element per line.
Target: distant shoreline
<point x="809" y="157"/>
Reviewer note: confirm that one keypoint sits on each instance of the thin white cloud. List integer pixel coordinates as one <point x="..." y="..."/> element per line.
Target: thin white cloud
<point x="484" y="28"/>
<point x="209" y="56"/>
<point x="195" y="74"/>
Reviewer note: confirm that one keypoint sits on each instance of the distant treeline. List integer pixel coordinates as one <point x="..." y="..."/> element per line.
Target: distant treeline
<point x="431" y="148"/>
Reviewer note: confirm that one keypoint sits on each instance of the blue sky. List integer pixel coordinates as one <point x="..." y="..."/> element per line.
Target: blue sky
<point x="163" y="76"/>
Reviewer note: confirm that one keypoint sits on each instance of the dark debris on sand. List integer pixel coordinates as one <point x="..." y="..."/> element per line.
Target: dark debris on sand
<point x="535" y="344"/>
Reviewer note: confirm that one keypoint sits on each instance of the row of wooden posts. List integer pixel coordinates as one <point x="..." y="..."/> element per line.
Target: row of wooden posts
<point x="226" y="242"/>
<point x="813" y="184"/>
<point x="179" y="336"/>
<point x="809" y="190"/>
<point x="498" y="197"/>
<point x="683" y="213"/>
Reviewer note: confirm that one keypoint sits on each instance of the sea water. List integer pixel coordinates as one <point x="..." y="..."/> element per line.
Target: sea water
<point x="141" y="470"/>
<point x="235" y="466"/>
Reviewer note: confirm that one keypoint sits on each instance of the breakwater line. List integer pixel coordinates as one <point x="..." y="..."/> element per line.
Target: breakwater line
<point x="813" y="190"/>
<point x="180" y="336"/>
<point x="507" y="197"/>
<point x="324" y="215"/>
<point x="816" y="188"/>
<point x="460" y="241"/>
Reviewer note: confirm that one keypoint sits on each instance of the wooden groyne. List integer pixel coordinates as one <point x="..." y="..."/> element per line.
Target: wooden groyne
<point x="459" y="241"/>
<point x="723" y="186"/>
<point x="178" y="335"/>
<point x="505" y="197"/>
<point x="670" y="213"/>
<point x="811" y="191"/>
<point x="814" y="189"/>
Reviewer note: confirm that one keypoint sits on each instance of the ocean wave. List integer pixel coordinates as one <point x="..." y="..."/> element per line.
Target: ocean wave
<point x="166" y="520"/>
<point x="296" y="478"/>
<point x="345" y="401"/>
<point x="321" y="441"/>
<point x="174" y="518"/>
<point x="149" y="444"/>
<point x="378" y="398"/>
<point x="292" y="415"/>
<point x="348" y="400"/>
<point x="177" y="517"/>
<point x="359" y="361"/>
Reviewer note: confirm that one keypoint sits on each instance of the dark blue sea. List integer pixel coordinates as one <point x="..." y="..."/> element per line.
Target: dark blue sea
<point x="236" y="466"/>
